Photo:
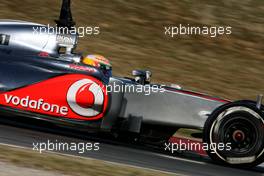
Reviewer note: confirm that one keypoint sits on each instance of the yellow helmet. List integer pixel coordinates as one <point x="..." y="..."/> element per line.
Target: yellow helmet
<point x="100" y="62"/>
<point x="97" y="61"/>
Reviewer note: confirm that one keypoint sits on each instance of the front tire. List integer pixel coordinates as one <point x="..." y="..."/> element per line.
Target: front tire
<point x="239" y="127"/>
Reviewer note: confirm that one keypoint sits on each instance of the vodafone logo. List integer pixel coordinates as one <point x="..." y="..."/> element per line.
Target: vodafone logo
<point x="86" y="98"/>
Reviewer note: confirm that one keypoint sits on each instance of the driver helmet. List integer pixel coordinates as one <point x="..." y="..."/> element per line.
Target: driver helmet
<point x="100" y="62"/>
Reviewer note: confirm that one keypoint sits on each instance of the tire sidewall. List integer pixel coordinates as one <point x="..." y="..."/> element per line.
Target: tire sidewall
<point x="212" y="118"/>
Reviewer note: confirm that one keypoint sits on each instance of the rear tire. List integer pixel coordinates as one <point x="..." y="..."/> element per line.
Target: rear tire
<point x="239" y="126"/>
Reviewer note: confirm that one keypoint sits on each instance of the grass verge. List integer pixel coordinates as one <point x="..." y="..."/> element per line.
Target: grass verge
<point x="70" y="165"/>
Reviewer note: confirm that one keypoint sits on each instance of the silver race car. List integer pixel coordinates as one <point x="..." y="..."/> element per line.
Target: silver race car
<point x="42" y="78"/>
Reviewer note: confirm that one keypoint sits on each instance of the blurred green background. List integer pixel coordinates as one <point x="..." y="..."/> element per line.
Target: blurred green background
<point x="132" y="36"/>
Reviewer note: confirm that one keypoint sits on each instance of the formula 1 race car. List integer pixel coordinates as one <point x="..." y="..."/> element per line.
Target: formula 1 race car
<point x="42" y="78"/>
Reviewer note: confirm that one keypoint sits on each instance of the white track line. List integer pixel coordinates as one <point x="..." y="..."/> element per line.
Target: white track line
<point x="181" y="159"/>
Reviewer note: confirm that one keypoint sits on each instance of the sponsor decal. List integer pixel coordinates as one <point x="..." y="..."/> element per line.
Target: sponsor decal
<point x="4" y="39"/>
<point x="73" y="96"/>
<point x="65" y="39"/>
<point x="86" y="98"/>
<point x="43" y="54"/>
<point x="39" y="104"/>
<point x="82" y="68"/>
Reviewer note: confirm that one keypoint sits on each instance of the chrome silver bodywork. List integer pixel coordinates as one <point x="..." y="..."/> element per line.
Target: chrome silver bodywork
<point x="170" y="108"/>
<point x="30" y="38"/>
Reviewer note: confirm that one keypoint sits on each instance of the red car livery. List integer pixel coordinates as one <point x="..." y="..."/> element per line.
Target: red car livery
<point x="71" y="96"/>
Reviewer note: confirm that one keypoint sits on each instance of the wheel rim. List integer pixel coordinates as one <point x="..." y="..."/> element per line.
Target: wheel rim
<point x="243" y="128"/>
<point x="240" y="133"/>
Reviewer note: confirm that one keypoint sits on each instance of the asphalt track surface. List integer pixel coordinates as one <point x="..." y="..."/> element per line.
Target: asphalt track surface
<point x="18" y="134"/>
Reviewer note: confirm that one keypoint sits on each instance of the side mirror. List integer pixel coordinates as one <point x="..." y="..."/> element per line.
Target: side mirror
<point x="141" y="76"/>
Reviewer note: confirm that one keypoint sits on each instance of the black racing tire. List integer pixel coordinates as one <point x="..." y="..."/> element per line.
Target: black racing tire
<point x="239" y="126"/>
